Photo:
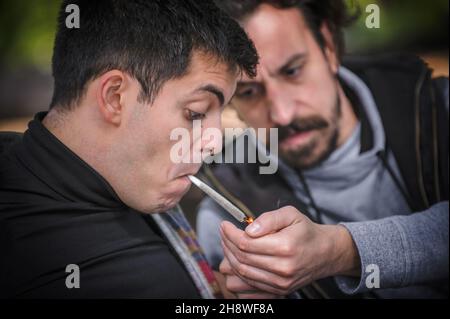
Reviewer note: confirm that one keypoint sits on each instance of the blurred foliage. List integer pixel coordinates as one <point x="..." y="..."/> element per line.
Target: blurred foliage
<point x="27" y="28"/>
<point x="405" y="24"/>
<point x="27" y="32"/>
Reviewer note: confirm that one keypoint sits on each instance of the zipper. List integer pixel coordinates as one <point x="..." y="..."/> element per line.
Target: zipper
<point x="435" y="144"/>
<point x="420" y="179"/>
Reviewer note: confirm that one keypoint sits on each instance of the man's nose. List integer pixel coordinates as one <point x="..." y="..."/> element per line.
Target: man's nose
<point x="281" y="109"/>
<point x="212" y="135"/>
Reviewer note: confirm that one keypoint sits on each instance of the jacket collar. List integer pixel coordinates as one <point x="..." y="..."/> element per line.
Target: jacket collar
<point x="64" y="172"/>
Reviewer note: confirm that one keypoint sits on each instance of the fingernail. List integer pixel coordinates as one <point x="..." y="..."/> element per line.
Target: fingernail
<point x="253" y="228"/>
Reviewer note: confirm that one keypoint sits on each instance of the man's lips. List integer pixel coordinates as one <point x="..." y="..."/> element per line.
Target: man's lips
<point x="192" y="171"/>
<point x="300" y="131"/>
<point x="180" y="171"/>
<point x="296" y="139"/>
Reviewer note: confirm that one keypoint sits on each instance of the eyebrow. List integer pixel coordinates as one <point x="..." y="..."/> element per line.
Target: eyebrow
<point x="292" y="59"/>
<point x="213" y="90"/>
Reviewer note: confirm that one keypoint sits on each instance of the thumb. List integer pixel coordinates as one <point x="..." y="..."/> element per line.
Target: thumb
<point x="274" y="221"/>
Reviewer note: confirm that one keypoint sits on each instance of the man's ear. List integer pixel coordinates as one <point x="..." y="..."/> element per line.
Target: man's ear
<point x="110" y="94"/>
<point x="330" y="49"/>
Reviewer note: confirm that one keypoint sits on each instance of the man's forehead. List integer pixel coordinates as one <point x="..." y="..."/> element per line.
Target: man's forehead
<point x="272" y="17"/>
<point x="278" y="34"/>
<point x="208" y="75"/>
<point x="212" y="66"/>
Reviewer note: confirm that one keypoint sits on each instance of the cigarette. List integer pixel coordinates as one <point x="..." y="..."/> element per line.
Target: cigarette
<point x="222" y="201"/>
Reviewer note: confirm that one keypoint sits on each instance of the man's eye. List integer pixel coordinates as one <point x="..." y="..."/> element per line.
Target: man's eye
<point x="247" y="93"/>
<point x="292" y="72"/>
<point x="192" y="116"/>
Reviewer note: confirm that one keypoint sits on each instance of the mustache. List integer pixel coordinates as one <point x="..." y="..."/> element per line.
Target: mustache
<point x="301" y="125"/>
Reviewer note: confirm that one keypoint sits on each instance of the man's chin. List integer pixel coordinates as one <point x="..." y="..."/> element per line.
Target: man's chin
<point x="311" y="154"/>
<point x="298" y="163"/>
<point x="165" y="202"/>
<point x="176" y="191"/>
<point x="163" y="206"/>
<point x="305" y="158"/>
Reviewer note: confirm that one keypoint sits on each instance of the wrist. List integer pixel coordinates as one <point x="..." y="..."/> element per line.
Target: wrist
<point x="345" y="260"/>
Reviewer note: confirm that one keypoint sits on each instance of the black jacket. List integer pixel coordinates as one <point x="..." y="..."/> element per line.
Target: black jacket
<point x="55" y="210"/>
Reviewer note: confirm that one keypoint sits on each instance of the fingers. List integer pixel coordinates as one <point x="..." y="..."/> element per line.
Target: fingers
<point x="233" y="282"/>
<point x="239" y="288"/>
<point x="225" y="267"/>
<point x="265" y="255"/>
<point x="274" y="221"/>
<point x="254" y="277"/>
<point x="279" y="265"/>
<point x="244" y="291"/>
<point x="221" y="280"/>
<point x="237" y="285"/>
<point x="282" y="243"/>
<point x="267" y="245"/>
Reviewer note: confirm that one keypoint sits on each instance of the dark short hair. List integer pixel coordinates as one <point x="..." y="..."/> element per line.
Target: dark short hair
<point x="152" y="41"/>
<point x="333" y="12"/>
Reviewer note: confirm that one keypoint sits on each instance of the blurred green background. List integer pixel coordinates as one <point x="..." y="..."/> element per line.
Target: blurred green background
<point x="27" y="29"/>
<point x="405" y="25"/>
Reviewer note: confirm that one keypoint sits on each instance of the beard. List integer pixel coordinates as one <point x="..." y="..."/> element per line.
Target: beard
<point x="321" y="145"/>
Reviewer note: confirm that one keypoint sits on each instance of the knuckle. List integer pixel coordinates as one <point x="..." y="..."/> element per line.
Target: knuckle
<point x="242" y="270"/>
<point x="243" y="243"/>
<point x="265" y="215"/>
<point x="241" y="257"/>
<point x="286" y="249"/>
<point x="283" y="285"/>
<point x="292" y="211"/>
<point x="286" y="269"/>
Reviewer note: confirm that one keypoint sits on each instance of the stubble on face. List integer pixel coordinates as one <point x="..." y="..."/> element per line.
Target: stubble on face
<point x="320" y="146"/>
